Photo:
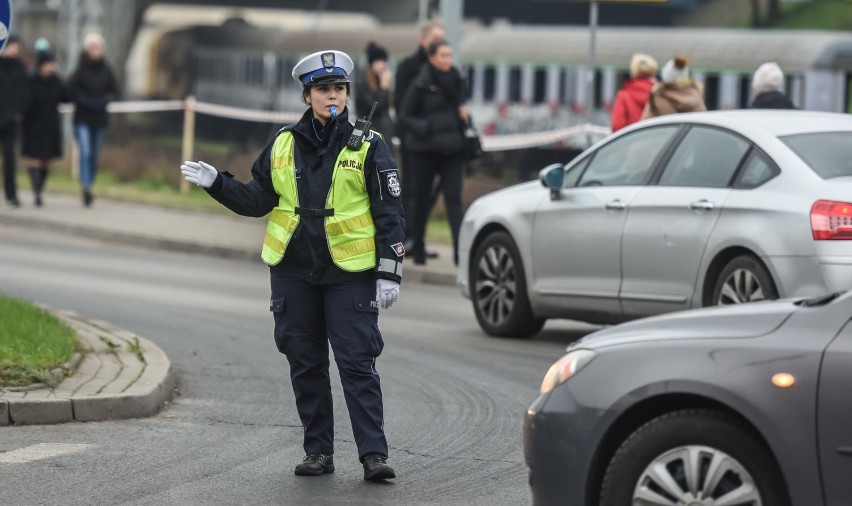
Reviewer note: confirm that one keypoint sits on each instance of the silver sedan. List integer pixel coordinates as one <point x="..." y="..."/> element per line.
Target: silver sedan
<point x="682" y="211"/>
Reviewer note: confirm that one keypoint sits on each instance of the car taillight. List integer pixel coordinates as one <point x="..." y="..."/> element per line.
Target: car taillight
<point x="831" y="220"/>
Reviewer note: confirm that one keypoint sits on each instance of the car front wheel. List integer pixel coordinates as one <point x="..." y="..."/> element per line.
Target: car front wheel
<point x="695" y="457"/>
<point x="744" y="279"/>
<point x="499" y="289"/>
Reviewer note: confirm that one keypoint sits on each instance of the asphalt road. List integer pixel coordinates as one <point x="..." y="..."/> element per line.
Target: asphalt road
<point x="454" y="398"/>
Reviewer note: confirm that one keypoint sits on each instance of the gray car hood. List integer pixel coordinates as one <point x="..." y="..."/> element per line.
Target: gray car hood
<point x="730" y="322"/>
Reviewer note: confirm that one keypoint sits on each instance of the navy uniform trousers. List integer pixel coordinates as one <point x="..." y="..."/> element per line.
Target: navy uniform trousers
<point x="307" y="318"/>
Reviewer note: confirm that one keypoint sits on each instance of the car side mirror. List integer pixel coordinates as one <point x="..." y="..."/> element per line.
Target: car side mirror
<point x="553" y="177"/>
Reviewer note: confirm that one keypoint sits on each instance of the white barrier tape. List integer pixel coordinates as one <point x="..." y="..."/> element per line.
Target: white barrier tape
<point x="530" y="140"/>
<point x="225" y="111"/>
<point x="489" y="143"/>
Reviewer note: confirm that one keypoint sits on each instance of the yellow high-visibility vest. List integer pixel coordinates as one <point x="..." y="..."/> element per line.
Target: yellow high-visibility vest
<point x="349" y="231"/>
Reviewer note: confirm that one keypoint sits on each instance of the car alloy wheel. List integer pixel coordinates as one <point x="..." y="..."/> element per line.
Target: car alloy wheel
<point x="693" y="457"/>
<point x="499" y="290"/>
<point x="741" y="286"/>
<point x="495" y="284"/>
<point x="695" y="475"/>
<point x="744" y="279"/>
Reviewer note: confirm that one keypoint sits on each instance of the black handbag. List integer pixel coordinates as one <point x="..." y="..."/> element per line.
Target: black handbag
<point x="471" y="144"/>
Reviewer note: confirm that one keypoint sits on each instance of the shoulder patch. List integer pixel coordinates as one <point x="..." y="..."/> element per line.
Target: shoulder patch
<point x="393" y="187"/>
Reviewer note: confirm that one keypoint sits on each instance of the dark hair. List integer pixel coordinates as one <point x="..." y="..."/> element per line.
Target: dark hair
<point x="13" y="39"/>
<point x="306" y="92"/>
<point x="435" y="46"/>
<point x="375" y="52"/>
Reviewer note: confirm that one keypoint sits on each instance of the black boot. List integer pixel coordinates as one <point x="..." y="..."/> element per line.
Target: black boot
<point x="87" y="197"/>
<point x="376" y="467"/>
<point x="37" y="177"/>
<point x="315" y="464"/>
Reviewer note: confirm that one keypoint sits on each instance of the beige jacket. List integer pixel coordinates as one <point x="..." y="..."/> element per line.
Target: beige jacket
<point x="683" y="95"/>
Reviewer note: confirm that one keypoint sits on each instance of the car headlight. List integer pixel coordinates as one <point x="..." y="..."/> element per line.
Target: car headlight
<point x="565" y="368"/>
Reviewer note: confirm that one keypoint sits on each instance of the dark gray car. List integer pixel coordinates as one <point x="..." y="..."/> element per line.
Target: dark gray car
<point x="740" y="405"/>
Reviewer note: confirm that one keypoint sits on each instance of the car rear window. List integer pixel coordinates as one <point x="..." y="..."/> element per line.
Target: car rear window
<point x="829" y="154"/>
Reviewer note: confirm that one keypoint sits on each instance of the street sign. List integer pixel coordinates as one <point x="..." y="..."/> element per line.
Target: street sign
<point x="5" y="19"/>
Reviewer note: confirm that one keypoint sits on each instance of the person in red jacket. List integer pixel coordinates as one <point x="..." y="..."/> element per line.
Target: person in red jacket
<point x="631" y="98"/>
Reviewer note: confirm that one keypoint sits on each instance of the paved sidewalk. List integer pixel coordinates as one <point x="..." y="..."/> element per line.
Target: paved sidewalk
<point x="222" y="235"/>
<point x="124" y="375"/>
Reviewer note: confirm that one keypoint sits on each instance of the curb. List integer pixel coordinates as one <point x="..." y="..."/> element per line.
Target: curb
<point x="121" y="376"/>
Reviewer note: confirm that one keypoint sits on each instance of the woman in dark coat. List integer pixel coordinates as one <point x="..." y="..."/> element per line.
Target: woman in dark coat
<point x="41" y="127"/>
<point x="434" y="116"/>
<point x="375" y="87"/>
<point x="91" y="87"/>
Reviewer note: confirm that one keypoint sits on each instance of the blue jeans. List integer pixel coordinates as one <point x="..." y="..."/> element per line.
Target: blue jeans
<point x="90" y="140"/>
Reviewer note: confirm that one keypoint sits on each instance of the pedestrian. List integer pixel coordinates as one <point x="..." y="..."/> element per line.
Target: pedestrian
<point x="677" y="92"/>
<point x="631" y="98"/>
<point x="13" y="95"/>
<point x="92" y="86"/>
<point x="768" y="86"/>
<point x="406" y="71"/>
<point x="374" y="87"/>
<point x="433" y="115"/>
<point x="334" y="246"/>
<point x="41" y="126"/>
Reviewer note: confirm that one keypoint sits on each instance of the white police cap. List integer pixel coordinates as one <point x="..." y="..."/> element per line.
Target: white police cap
<point x="323" y="67"/>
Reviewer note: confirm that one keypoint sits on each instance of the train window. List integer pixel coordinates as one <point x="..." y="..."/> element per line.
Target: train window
<point x="848" y="105"/>
<point x="711" y="92"/>
<point x="540" y="86"/>
<point x="620" y="78"/>
<point x="563" y="83"/>
<point x="470" y="78"/>
<point x="598" y="88"/>
<point x="514" y="84"/>
<point x="490" y="84"/>
<point x="745" y="91"/>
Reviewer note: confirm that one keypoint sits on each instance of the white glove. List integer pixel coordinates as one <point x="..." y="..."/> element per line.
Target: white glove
<point x="387" y="292"/>
<point x="199" y="173"/>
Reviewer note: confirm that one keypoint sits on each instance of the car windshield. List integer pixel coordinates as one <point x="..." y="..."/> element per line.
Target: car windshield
<point x="829" y="154"/>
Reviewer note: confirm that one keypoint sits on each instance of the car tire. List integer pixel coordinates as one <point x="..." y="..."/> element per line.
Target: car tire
<point x="499" y="290"/>
<point x="657" y="458"/>
<point x="744" y="279"/>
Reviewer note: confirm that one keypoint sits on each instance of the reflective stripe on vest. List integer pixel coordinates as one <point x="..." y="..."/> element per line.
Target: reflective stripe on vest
<point x="350" y="232"/>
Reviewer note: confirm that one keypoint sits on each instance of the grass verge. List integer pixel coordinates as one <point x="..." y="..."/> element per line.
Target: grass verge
<point x="32" y="343"/>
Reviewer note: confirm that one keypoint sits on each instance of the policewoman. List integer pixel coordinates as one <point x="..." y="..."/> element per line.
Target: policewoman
<point x="334" y="246"/>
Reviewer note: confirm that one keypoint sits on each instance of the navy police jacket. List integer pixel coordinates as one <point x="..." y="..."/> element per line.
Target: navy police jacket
<point x="307" y="257"/>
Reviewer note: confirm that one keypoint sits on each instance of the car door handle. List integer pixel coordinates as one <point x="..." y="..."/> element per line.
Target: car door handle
<point x="702" y="204"/>
<point x="845" y="450"/>
<point x="616" y="205"/>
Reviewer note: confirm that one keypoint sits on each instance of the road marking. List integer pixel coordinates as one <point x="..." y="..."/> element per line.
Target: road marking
<point x="38" y="452"/>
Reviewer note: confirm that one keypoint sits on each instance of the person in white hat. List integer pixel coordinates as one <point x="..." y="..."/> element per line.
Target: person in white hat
<point x="334" y="244"/>
<point x="768" y="87"/>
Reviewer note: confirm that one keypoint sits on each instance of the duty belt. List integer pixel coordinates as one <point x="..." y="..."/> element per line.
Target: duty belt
<point x="314" y="213"/>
